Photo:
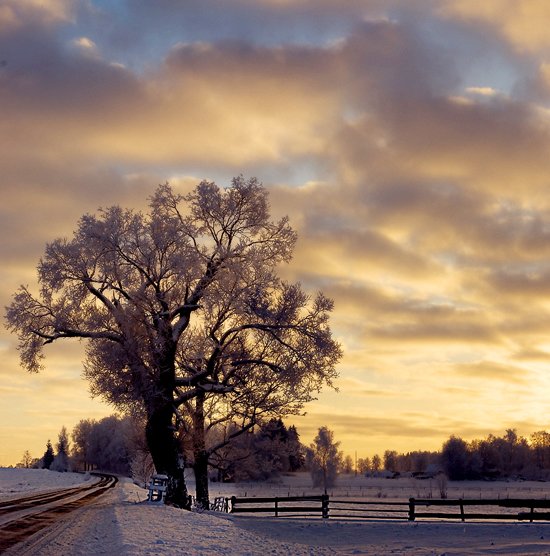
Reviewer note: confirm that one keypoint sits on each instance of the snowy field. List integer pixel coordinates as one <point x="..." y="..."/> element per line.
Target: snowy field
<point x="16" y="482"/>
<point x="351" y="486"/>
<point x="122" y="523"/>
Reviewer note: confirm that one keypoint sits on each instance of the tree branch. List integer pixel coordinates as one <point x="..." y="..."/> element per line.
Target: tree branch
<point x="192" y="380"/>
<point x="228" y="439"/>
<point x="215" y="388"/>
<point x="68" y="333"/>
<point x="272" y="366"/>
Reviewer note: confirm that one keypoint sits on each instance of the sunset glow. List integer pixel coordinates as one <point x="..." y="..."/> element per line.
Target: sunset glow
<point x="408" y="142"/>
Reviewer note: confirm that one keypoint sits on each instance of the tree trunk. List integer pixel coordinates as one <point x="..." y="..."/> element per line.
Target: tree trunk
<point x="165" y="451"/>
<point x="201" y="479"/>
<point x="200" y="454"/>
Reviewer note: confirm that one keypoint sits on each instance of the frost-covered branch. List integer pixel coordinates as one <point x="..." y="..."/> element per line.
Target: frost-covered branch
<point x="181" y="306"/>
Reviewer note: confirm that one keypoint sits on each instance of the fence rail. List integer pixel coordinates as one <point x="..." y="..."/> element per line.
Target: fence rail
<point x="277" y="505"/>
<point x="323" y="506"/>
<point x="362" y="509"/>
<point x="460" y="504"/>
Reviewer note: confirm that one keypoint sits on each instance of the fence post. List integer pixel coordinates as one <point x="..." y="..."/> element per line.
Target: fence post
<point x="324" y="505"/>
<point x="462" y="510"/>
<point x="233" y="503"/>
<point x="411" y="509"/>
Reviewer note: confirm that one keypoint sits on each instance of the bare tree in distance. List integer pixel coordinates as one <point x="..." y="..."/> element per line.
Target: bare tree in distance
<point x="130" y="284"/>
<point x="363" y="465"/>
<point x="82" y="448"/>
<point x="346" y="465"/>
<point x="26" y="461"/>
<point x="109" y="444"/>
<point x="324" y="459"/>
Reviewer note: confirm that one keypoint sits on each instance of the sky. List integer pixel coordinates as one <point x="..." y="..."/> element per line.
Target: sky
<point x="408" y="141"/>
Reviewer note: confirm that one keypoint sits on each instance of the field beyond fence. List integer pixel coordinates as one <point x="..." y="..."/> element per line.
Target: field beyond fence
<point x="376" y="488"/>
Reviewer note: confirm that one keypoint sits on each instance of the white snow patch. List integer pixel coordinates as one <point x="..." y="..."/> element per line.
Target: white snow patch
<point x="15" y="481"/>
<point x="156" y="529"/>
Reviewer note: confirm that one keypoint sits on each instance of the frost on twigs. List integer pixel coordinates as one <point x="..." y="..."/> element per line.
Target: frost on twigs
<point x="184" y="317"/>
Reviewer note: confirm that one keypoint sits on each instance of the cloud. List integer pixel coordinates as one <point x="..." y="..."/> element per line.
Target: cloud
<point x="221" y="104"/>
<point x="87" y="46"/>
<point x="483" y="91"/>
<point x="530" y="354"/>
<point x="15" y="14"/>
<point x="436" y="332"/>
<point x="524" y="24"/>
<point x="127" y="28"/>
<point x="345" y="251"/>
<point x="386" y="433"/>
<point x="534" y="282"/>
<point x="407" y="141"/>
<point x="482" y="145"/>
<point x="359" y="388"/>
<point x="493" y="371"/>
<point x="35" y="407"/>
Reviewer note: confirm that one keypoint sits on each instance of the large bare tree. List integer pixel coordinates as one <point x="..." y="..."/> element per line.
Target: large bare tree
<point x="269" y="352"/>
<point x="130" y="283"/>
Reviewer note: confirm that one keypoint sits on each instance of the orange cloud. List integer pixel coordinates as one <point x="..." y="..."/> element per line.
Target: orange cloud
<point x="525" y="24"/>
<point x="419" y="193"/>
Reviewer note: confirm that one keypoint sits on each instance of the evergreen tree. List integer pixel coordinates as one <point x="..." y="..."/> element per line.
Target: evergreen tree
<point x="61" y="460"/>
<point x="296" y="454"/>
<point x="454" y="458"/>
<point x="258" y="455"/>
<point x="48" y="457"/>
<point x="269" y="450"/>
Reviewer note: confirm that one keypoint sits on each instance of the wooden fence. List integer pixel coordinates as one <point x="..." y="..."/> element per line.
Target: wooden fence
<point x="460" y="505"/>
<point x="323" y="506"/>
<point x="299" y="506"/>
<point x="377" y="509"/>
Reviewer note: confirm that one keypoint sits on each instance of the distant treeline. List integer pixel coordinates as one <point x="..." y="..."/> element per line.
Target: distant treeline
<point x="509" y="456"/>
<point x="110" y="444"/>
<point x="268" y="451"/>
<point x="116" y="444"/>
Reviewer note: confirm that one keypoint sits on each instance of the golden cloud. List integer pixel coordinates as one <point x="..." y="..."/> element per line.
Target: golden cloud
<point x="15" y="14"/>
<point x="425" y="218"/>
<point x="484" y="370"/>
<point x="525" y="24"/>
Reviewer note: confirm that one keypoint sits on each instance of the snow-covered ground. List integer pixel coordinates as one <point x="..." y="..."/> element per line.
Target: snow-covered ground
<point x="371" y="488"/>
<point x="122" y="523"/>
<point x="16" y="482"/>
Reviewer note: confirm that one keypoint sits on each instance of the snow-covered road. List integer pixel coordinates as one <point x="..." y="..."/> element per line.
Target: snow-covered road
<point x="121" y="523"/>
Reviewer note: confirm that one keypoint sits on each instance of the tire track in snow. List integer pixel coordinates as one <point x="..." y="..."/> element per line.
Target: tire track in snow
<point x="43" y="510"/>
